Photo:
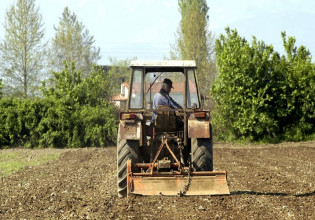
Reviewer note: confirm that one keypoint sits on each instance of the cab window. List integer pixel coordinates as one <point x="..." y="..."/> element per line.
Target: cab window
<point x="153" y="83"/>
<point x="136" y="95"/>
<point x="192" y="91"/>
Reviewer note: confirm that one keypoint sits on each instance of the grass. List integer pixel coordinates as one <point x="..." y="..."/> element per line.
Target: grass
<point x="12" y="160"/>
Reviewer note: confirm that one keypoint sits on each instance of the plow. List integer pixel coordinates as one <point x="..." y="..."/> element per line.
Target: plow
<point x="162" y="150"/>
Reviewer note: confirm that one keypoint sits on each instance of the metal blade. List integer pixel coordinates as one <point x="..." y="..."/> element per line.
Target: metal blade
<point x="179" y="184"/>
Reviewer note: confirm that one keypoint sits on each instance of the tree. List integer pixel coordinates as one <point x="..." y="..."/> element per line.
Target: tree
<point x="22" y="49"/>
<point x="260" y="95"/>
<point x="80" y="113"/>
<point x="195" y="41"/>
<point x="298" y="91"/>
<point x="72" y="42"/>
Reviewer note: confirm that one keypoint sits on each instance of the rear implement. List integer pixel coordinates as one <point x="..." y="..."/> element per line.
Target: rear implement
<point x="183" y="183"/>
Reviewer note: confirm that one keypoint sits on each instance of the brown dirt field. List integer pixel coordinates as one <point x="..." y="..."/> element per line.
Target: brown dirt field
<point x="266" y="182"/>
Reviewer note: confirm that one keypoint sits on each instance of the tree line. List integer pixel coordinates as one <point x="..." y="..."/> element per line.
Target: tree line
<point x="258" y="95"/>
<point x="57" y="97"/>
<point x="75" y="112"/>
<point x="52" y="93"/>
<point x="26" y="60"/>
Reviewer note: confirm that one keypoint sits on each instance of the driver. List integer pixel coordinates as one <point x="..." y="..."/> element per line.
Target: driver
<point x="163" y="97"/>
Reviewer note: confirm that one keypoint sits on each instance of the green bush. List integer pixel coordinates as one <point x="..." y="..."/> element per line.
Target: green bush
<point x="74" y="112"/>
<point x="261" y="96"/>
<point x="18" y="121"/>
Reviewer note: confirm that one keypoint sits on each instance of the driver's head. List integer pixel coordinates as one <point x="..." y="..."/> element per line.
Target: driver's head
<point x="167" y="85"/>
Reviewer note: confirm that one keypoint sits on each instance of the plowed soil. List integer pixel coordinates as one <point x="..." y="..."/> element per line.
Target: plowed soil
<point x="266" y="182"/>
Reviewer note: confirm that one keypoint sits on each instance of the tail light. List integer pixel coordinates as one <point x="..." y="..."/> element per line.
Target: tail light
<point x="126" y="116"/>
<point x="200" y="115"/>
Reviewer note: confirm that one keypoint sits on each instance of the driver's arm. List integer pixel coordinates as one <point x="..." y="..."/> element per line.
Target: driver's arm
<point x="173" y="104"/>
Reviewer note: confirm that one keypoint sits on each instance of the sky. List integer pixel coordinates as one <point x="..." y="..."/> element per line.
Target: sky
<point x="145" y="29"/>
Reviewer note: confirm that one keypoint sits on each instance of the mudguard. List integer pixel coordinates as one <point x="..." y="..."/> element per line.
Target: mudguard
<point x="198" y="128"/>
<point x="130" y="129"/>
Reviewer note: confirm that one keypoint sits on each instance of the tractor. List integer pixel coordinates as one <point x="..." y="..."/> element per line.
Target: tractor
<point x="164" y="150"/>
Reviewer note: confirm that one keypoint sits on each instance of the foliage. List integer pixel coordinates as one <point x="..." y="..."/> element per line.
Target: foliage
<point x="21" y="50"/>
<point x="194" y="41"/>
<point x="73" y="113"/>
<point x="18" y="121"/>
<point x="1" y="89"/>
<point x="72" y="42"/>
<point x="80" y="110"/>
<point x="260" y="95"/>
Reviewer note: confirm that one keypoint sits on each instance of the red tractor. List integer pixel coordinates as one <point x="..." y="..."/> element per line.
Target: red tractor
<point x="163" y="150"/>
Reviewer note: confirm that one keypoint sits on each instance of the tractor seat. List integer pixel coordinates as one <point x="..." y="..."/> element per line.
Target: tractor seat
<point x="165" y="121"/>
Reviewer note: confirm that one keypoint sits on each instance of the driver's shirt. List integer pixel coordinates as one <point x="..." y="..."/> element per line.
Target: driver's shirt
<point x="163" y="98"/>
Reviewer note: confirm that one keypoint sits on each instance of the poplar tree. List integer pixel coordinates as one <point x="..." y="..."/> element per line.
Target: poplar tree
<point x="194" y="40"/>
<point x="72" y="42"/>
<point x="22" y="49"/>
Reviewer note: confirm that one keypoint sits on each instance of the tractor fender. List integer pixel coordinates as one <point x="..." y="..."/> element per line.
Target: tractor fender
<point x="130" y="129"/>
<point x="198" y="128"/>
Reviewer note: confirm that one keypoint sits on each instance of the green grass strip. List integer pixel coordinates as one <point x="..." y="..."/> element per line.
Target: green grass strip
<point x="12" y="160"/>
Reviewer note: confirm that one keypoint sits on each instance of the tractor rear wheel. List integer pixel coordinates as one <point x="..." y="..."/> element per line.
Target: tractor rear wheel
<point x="126" y="149"/>
<point x="202" y="153"/>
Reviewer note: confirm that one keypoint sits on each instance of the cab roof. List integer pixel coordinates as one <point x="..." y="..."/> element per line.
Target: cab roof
<point x="163" y="63"/>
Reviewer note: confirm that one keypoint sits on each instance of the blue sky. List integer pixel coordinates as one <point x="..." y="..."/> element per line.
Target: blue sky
<point x="145" y="28"/>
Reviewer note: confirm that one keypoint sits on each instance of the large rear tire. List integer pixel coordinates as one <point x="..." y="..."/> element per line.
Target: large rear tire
<point x="202" y="153"/>
<point x="126" y="149"/>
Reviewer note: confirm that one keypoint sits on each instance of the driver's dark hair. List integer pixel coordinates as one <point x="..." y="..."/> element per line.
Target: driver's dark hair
<point x="163" y="85"/>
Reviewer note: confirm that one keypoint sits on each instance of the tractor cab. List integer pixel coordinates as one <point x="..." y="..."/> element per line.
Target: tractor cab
<point x="146" y="82"/>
